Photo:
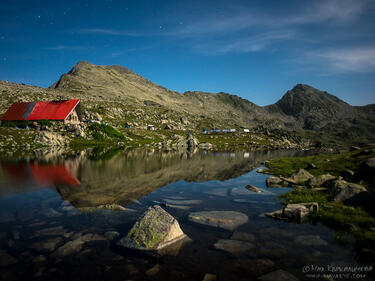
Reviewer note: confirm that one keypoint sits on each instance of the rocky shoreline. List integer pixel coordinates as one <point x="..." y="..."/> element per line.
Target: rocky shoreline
<point x="344" y="201"/>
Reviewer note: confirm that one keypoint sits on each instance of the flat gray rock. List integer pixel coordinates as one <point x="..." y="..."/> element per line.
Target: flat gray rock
<point x="229" y="220"/>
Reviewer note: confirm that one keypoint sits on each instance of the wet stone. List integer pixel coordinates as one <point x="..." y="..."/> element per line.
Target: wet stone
<point x="278" y="275"/>
<point x="255" y="267"/>
<point x="310" y="240"/>
<point x="40" y="259"/>
<point x="76" y="245"/>
<point x="46" y="246"/>
<point x="229" y="220"/>
<point x="235" y="247"/>
<point x="51" y="213"/>
<point x="153" y="270"/>
<point x="209" y="277"/>
<point x="58" y="230"/>
<point x="253" y="188"/>
<point x="6" y="217"/>
<point x="6" y="259"/>
<point x="111" y="235"/>
<point x="16" y="235"/>
<point x="243" y="236"/>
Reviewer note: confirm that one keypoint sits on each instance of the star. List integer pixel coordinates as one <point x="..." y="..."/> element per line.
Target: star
<point x="38" y="16"/>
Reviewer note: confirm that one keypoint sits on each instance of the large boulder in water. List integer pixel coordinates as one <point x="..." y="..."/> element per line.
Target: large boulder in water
<point x="229" y="220"/>
<point x="153" y="231"/>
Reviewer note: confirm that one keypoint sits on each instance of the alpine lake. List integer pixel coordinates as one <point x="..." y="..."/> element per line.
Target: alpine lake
<point x="62" y="215"/>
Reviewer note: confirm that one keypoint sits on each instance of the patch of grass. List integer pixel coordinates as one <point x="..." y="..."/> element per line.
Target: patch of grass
<point x="99" y="129"/>
<point x="303" y="195"/>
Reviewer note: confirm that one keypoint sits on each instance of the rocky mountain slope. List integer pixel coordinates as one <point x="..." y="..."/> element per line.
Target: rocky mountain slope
<point x="118" y="96"/>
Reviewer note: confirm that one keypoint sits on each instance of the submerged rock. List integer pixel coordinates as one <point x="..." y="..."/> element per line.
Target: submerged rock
<point x="278" y="275"/>
<point x="209" y="277"/>
<point x="235" y="247"/>
<point x="229" y="220"/>
<point x="112" y="207"/>
<point x="294" y="212"/>
<point x="153" y="231"/>
<point x="310" y="240"/>
<point x="110" y="235"/>
<point x="51" y="213"/>
<point x="6" y="259"/>
<point x="76" y="245"/>
<point x="153" y="270"/>
<point x="47" y="245"/>
<point x="243" y="236"/>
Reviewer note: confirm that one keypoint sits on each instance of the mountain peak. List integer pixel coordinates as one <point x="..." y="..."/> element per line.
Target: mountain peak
<point x="311" y="106"/>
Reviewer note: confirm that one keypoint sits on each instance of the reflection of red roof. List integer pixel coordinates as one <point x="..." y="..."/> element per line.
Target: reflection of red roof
<point x="52" y="174"/>
<point x="49" y="110"/>
<point x="42" y="174"/>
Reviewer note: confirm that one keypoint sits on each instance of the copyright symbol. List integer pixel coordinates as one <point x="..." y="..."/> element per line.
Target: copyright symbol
<point x="306" y="268"/>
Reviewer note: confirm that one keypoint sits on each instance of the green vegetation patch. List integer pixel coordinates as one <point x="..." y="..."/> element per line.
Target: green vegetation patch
<point x="99" y="130"/>
<point x="334" y="164"/>
<point x="303" y="195"/>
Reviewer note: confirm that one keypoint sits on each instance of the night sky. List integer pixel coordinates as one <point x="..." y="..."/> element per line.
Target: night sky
<point x="255" y="49"/>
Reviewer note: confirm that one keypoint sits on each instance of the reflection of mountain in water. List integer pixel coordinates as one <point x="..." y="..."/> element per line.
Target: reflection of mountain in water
<point x="131" y="175"/>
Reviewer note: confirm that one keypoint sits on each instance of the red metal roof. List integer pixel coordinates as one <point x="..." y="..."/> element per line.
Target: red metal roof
<point x="49" y="110"/>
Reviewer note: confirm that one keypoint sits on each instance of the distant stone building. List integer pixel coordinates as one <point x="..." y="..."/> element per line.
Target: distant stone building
<point x="67" y="111"/>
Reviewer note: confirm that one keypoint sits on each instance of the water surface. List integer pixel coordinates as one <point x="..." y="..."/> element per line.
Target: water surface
<point x="47" y="202"/>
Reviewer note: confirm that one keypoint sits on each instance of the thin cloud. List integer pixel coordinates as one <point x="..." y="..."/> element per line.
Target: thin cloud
<point x="347" y="60"/>
<point x="106" y="31"/>
<point x="247" y="44"/>
<point x="64" y="48"/>
<point x="244" y="30"/>
<point x="116" y="54"/>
